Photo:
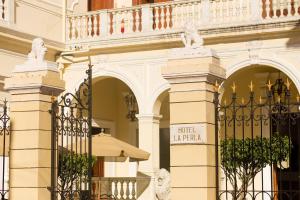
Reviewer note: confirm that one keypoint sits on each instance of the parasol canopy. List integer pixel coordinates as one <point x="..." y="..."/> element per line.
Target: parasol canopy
<point x="104" y="145"/>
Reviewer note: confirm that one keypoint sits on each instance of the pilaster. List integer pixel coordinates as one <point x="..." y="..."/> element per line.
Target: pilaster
<point x="31" y="89"/>
<point x="192" y="151"/>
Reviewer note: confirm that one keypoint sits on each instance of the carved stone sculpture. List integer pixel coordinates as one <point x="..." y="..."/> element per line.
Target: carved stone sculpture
<point x="162" y="185"/>
<point x="38" y="51"/>
<point x="191" y="38"/>
<point x="36" y="59"/>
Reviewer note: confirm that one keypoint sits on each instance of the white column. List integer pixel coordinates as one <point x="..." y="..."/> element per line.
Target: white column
<point x="146" y="18"/>
<point x="149" y="141"/>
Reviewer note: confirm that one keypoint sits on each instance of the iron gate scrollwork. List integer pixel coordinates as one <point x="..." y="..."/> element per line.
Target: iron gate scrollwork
<point x="257" y="145"/>
<point x="71" y="143"/>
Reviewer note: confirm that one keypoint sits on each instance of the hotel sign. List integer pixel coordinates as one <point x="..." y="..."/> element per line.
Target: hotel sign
<point x="188" y="134"/>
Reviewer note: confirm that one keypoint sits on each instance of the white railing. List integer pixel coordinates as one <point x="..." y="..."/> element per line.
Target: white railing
<point x="170" y="17"/>
<point x="118" y="187"/>
<point x="6" y="10"/>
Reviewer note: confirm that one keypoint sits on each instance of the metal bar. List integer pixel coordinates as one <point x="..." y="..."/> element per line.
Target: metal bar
<point x="53" y="149"/>
<point x="90" y="103"/>
<point x="216" y="102"/>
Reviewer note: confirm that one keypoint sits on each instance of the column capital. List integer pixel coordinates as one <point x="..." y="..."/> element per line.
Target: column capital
<point x="194" y="67"/>
<point x="149" y="117"/>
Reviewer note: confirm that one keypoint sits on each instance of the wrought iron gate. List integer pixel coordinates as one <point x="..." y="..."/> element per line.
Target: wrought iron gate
<point x="257" y="147"/>
<point x="71" y="143"/>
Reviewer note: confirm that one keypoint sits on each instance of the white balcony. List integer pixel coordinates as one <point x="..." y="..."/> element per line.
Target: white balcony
<point x="163" y="19"/>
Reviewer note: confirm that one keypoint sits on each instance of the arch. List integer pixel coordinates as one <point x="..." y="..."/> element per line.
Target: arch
<point x="122" y="77"/>
<point x="158" y="97"/>
<point x="291" y="71"/>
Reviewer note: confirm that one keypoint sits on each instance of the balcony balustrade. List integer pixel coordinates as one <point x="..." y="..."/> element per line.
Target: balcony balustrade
<point x="120" y="188"/>
<point x="171" y="17"/>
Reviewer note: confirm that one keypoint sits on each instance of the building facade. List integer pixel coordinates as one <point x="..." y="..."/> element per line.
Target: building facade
<point x="168" y="55"/>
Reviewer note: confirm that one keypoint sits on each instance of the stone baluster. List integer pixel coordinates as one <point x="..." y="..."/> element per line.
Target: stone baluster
<point x="226" y="11"/>
<point x="129" y="21"/>
<point x="122" y="189"/>
<point x="138" y="20"/>
<point x="274" y="8"/>
<point x="296" y="7"/>
<point x="248" y="11"/>
<point x="105" y="25"/>
<point x="214" y="11"/>
<point x="199" y="13"/>
<point x="188" y="12"/>
<point x="219" y="11"/>
<point x="117" y="22"/>
<point x="2" y="10"/>
<point x="89" y="26"/>
<point x="183" y="15"/>
<point x="237" y="10"/>
<point x="268" y="16"/>
<point x="174" y="8"/>
<point x="168" y="17"/>
<point x="83" y="26"/>
<point x="147" y="18"/>
<point x="115" y="192"/>
<point x="68" y="26"/>
<point x="156" y="10"/>
<point x="73" y="33"/>
<point x="255" y="9"/>
<point x="78" y="28"/>
<point x="289" y="8"/>
<point x="114" y="23"/>
<point x="95" y="25"/>
<point x="162" y="17"/>
<point x="133" y="191"/>
<point x="127" y="191"/>
<point x="206" y="10"/>
<point x="230" y="11"/>
<point x="281" y="7"/>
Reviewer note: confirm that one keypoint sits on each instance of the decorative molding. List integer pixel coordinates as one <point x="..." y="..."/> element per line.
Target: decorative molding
<point x="41" y="8"/>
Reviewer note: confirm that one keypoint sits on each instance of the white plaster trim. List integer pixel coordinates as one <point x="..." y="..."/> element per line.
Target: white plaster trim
<point x="31" y="67"/>
<point x="38" y="7"/>
<point x="14" y="54"/>
<point x="291" y="71"/>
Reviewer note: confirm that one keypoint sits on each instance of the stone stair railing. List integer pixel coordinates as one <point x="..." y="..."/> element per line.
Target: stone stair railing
<point x="170" y="17"/>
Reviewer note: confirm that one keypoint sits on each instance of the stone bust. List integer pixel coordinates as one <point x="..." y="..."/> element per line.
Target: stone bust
<point x="162" y="185"/>
<point x="38" y="51"/>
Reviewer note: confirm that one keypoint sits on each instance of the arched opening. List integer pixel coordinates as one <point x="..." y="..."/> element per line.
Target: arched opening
<point x="162" y="108"/>
<point x="110" y="112"/>
<point x="259" y="135"/>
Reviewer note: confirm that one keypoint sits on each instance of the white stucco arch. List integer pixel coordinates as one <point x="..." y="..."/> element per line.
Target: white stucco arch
<point x="155" y="97"/>
<point x="290" y="70"/>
